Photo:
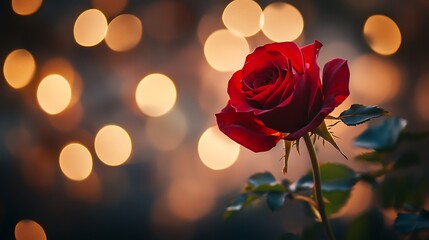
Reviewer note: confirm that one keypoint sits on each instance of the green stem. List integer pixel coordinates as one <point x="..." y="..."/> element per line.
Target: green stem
<point x="318" y="186"/>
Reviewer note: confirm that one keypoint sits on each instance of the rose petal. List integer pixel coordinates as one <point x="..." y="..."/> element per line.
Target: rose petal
<point x="245" y="129"/>
<point x="238" y="100"/>
<point x="320" y="117"/>
<point x="336" y="76"/>
<point x="291" y="51"/>
<point x="310" y="53"/>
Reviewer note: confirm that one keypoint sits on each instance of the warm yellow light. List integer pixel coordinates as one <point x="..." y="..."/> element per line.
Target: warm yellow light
<point x="29" y="230"/>
<point x="168" y="131"/>
<point x="26" y="7"/>
<point x="374" y="80"/>
<point x="242" y="17"/>
<point x="155" y="94"/>
<point x="382" y="34"/>
<point x="282" y="22"/>
<point x="110" y="7"/>
<point x="76" y="161"/>
<point x="216" y="150"/>
<point x="124" y="33"/>
<point x="19" y="68"/>
<point x="113" y="145"/>
<point x="63" y="67"/>
<point x="90" y="28"/>
<point x="54" y="94"/>
<point x="225" y="51"/>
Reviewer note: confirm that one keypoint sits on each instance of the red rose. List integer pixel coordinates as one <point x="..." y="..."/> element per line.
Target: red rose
<point x="279" y="91"/>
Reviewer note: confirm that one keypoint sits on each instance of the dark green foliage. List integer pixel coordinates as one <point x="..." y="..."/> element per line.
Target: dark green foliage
<point x="382" y="136"/>
<point x="366" y="226"/>
<point x="411" y="222"/>
<point x="358" y="114"/>
<point x="372" y="157"/>
<point x="275" y="200"/>
<point x="402" y="192"/>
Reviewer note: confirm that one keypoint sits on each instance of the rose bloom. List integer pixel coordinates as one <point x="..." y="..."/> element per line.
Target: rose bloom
<point x="278" y="95"/>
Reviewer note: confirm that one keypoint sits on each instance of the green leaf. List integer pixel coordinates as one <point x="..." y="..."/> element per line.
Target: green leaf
<point x="288" y="148"/>
<point x="406" y="160"/>
<point x="238" y="203"/>
<point x="335" y="177"/>
<point x="337" y="181"/>
<point x="382" y="136"/>
<point x="409" y="222"/>
<point x="358" y="114"/>
<point x="372" y="157"/>
<point x="275" y="200"/>
<point x="402" y="192"/>
<point x="289" y="236"/>
<point x="259" y="179"/>
<point x="323" y="132"/>
<point x="280" y="188"/>
<point x="367" y="226"/>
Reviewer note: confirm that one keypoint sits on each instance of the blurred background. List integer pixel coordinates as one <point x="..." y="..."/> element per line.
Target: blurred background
<point x="107" y="107"/>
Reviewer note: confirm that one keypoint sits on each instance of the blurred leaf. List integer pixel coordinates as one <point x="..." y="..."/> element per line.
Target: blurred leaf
<point x="259" y="179"/>
<point x="337" y="181"/>
<point x="270" y="188"/>
<point x="238" y="203"/>
<point x="336" y="201"/>
<point x="275" y="200"/>
<point x="406" y="160"/>
<point x="410" y="222"/>
<point x="323" y="132"/>
<point x="373" y="157"/>
<point x="402" y="192"/>
<point x="382" y="136"/>
<point x="335" y="177"/>
<point x="289" y="236"/>
<point x="366" y="226"/>
<point x="288" y="148"/>
<point x="358" y="114"/>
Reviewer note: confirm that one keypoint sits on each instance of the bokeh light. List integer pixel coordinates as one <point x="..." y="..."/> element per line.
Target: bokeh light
<point x="54" y="94"/>
<point x="124" y="33"/>
<point x="26" y="7"/>
<point x="29" y="230"/>
<point x="63" y="67"/>
<point x="382" y="34"/>
<point x="166" y="133"/>
<point x="113" y="145"/>
<point x="216" y="150"/>
<point x="225" y="51"/>
<point x="421" y="97"/>
<point x="76" y="161"/>
<point x="282" y="22"/>
<point x="374" y="80"/>
<point x="185" y="193"/>
<point x="242" y="17"/>
<point x="155" y="94"/>
<point x="110" y="7"/>
<point x="19" y="68"/>
<point x="90" y="28"/>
